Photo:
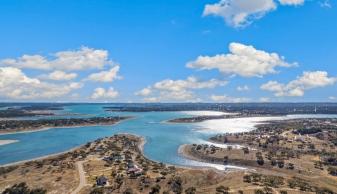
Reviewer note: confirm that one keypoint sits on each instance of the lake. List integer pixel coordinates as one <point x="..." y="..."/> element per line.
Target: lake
<point x="162" y="139"/>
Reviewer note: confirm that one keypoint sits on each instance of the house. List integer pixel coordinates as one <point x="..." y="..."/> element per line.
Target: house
<point x="101" y="181"/>
<point x="113" y="157"/>
<point x="134" y="169"/>
<point x="117" y="157"/>
<point x="130" y="165"/>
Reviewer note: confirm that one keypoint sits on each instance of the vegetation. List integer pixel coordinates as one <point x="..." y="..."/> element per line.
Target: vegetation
<point x="22" y="188"/>
<point x="22" y="125"/>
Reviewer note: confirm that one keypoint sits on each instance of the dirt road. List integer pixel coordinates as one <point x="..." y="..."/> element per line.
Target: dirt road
<point x="81" y="175"/>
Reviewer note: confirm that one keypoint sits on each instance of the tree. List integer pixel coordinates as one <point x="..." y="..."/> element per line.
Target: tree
<point x="259" y="191"/>
<point x="280" y="163"/>
<point x="290" y="166"/>
<point x="176" y="185"/>
<point x="128" y="191"/>
<point x="225" y="159"/>
<point x="247" y="179"/>
<point x="155" y="189"/>
<point x="22" y="188"/>
<point x="268" y="190"/>
<point x="332" y="171"/>
<point x="245" y="150"/>
<point x="259" y="158"/>
<point x="273" y="162"/>
<point x="190" y="190"/>
<point x="222" y="189"/>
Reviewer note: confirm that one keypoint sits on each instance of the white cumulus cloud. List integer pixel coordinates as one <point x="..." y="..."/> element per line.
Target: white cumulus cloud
<point x="60" y="75"/>
<point x="14" y="84"/>
<point x="243" y="88"/>
<point x="105" y="76"/>
<point x="243" y="60"/>
<point x="229" y="99"/>
<point x="297" y="87"/>
<point x="101" y="93"/>
<point x="189" y="83"/>
<point x="291" y="2"/>
<point x="240" y="13"/>
<point x="144" y="92"/>
<point x="332" y="98"/>
<point x="84" y="58"/>
<point x="178" y="90"/>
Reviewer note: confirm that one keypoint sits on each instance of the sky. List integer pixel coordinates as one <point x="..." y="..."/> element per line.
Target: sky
<point x="168" y="51"/>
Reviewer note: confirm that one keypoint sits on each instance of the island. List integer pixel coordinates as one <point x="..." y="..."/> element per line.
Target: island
<point x="12" y="110"/>
<point x="197" y="119"/>
<point x="13" y="126"/>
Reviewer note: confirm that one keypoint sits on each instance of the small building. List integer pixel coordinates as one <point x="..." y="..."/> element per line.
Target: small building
<point x="134" y="169"/>
<point x="113" y="157"/>
<point x="101" y="181"/>
<point x="130" y="165"/>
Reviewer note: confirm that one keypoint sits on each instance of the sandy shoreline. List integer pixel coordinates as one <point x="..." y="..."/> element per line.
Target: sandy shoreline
<point x="141" y="143"/>
<point x="182" y="150"/>
<point x="7" y="141"/>
<point x="49" y="156"/>
<point x="140" y="146"/>
<point x="62" y="127"/>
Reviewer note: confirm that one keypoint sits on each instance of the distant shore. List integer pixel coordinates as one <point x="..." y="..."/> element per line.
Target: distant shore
<point x="108" y="122"/>
<point x="198" y="119"/>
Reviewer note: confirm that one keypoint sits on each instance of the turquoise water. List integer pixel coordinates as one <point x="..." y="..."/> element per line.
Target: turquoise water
<point x="162" y="139"/>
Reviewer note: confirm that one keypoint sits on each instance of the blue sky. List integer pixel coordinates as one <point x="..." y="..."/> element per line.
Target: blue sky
<point x="138" y="51"/>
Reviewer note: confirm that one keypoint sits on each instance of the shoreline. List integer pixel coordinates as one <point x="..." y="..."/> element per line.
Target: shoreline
<point x="49" y="156"/>
<point x="7" y="141"/>
<point x="200" y="119"/>
<point x="194" y="119"/>
<point x="228" y="168"/>
<point x="61" y="127"/>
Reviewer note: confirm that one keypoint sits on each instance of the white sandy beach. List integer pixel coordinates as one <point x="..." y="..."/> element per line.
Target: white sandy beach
<point x="246" y="124"/>
<point x="4" y="142"/>
<point x="207" y="113"/>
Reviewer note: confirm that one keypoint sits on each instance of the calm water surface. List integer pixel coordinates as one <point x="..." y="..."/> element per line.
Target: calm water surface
<point x="162" y="139"/>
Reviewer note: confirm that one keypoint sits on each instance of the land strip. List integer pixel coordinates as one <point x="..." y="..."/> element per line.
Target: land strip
<point x="14" y="126"/>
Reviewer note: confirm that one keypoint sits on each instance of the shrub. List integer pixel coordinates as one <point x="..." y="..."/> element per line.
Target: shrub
<point x="190" y="190"/>
<point x="22" y="188"/>
<point x="155" y="189"/>
<point x="258" y="191"/>
<point x="332" y="171"/>
<point x="222" y="189"/>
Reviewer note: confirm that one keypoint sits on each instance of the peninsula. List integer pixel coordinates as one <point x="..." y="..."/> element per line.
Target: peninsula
<point x="12" y="126"/>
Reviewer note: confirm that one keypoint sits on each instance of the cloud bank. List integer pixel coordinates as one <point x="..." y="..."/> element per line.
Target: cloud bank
<point x="243" y="60"/>
<point x="82" y="59"/>
<point x="308" y="80"/>
<point x="177" y="90"/>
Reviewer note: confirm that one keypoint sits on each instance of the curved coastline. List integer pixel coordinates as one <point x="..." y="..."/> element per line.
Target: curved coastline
<point x="62" y="127"/>
<point x="142" y="146"/>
